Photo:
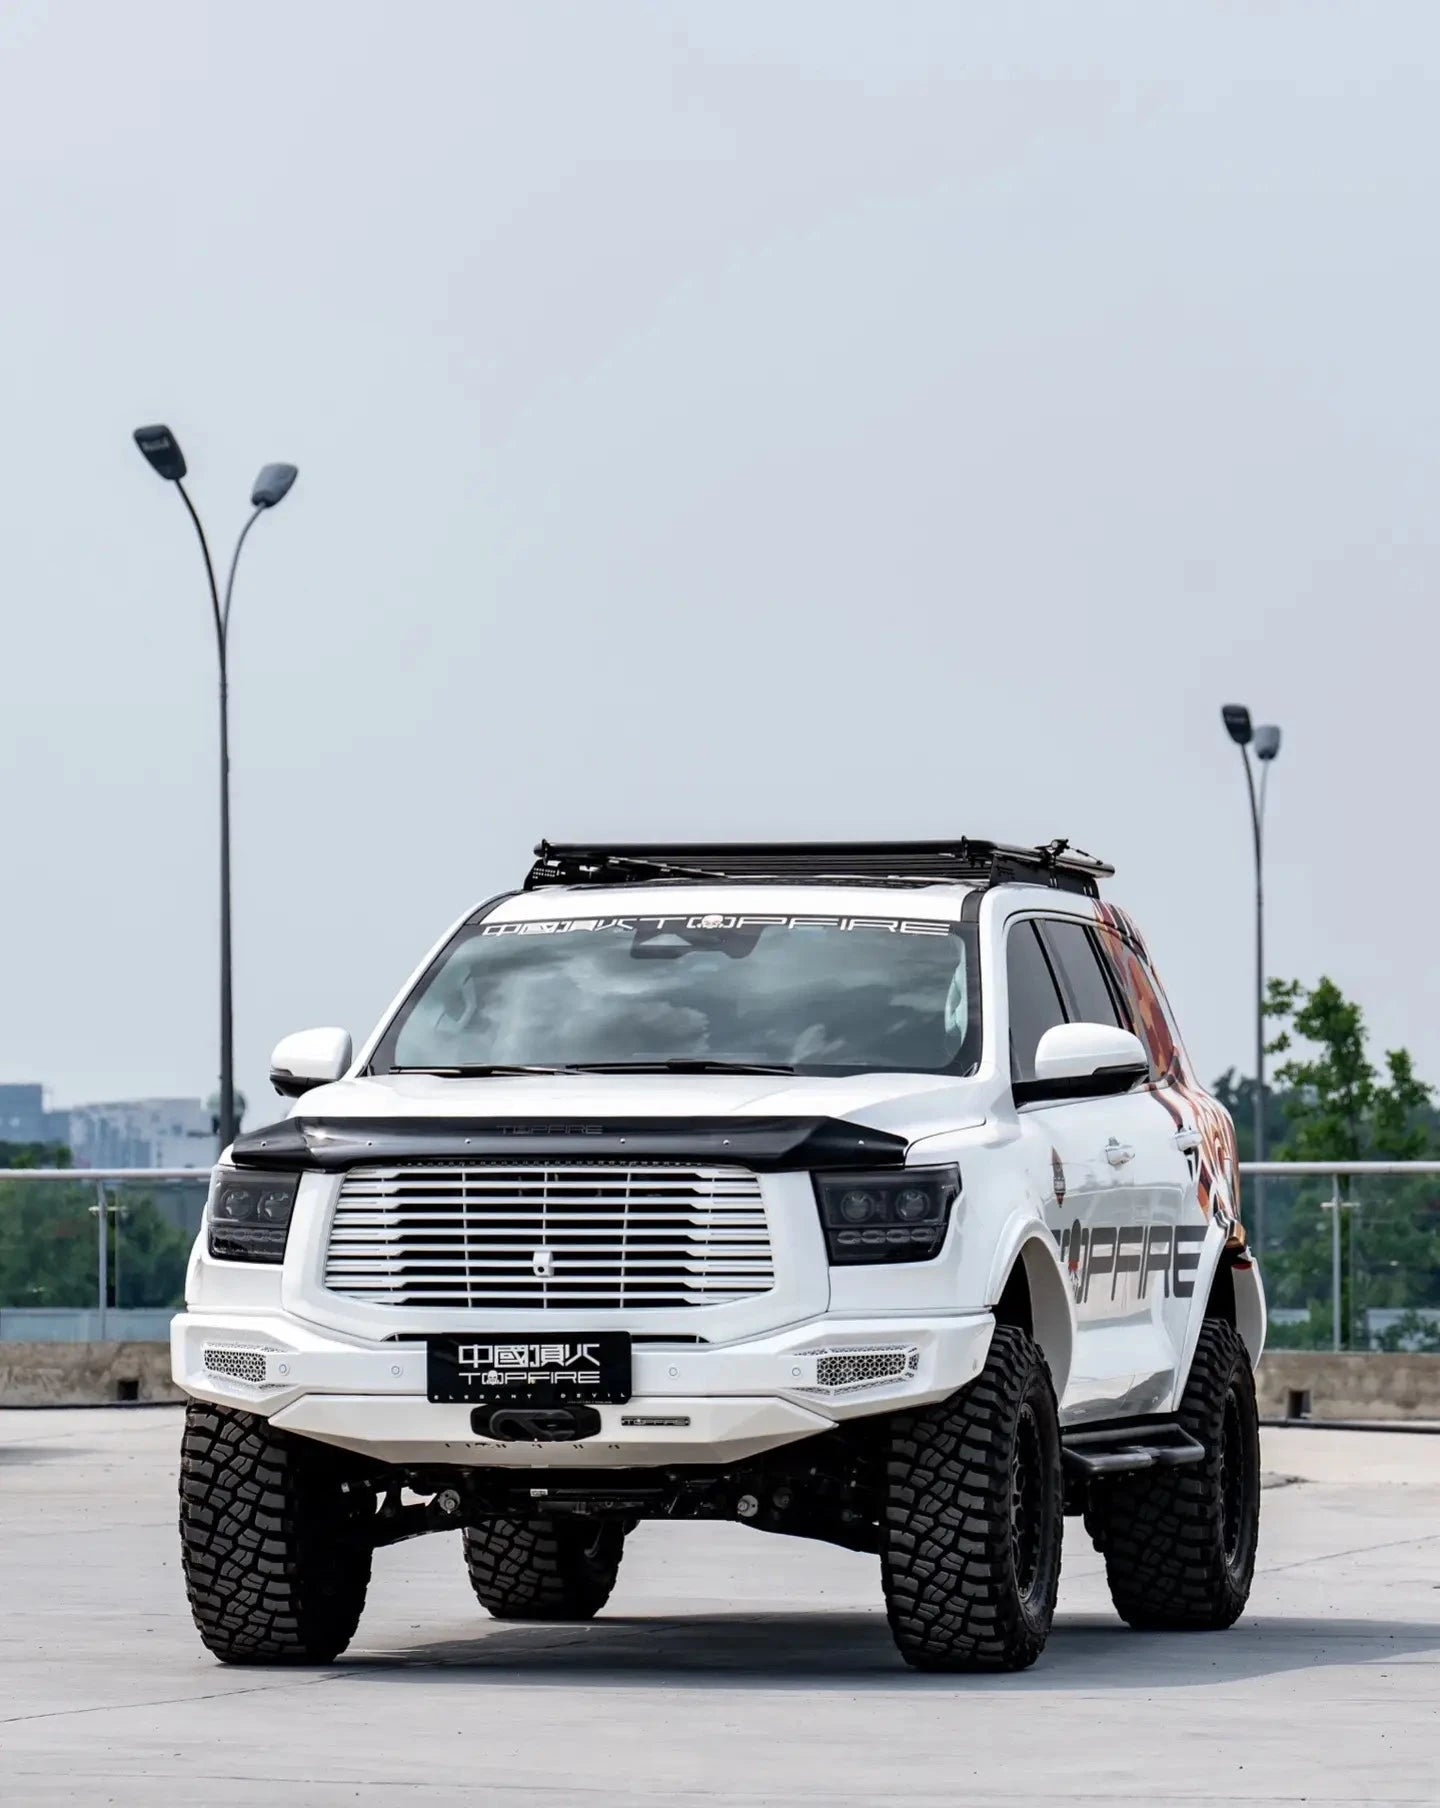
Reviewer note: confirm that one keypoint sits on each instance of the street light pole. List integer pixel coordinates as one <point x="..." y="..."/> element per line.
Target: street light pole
<point x="1266" y="742"/>
<point x="162" y="452"/>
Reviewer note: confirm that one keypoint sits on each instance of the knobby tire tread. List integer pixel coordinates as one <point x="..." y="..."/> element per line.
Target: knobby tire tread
<point x="950" y="1588"/>
<point x="275" y="1554"/>
<point x="1161" y="1531"/>
<point x="543" y="1568"/>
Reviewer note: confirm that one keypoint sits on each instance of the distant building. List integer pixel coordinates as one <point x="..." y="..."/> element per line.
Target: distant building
<point x="143" y="1133"/>
<point x="24" y="1118"/>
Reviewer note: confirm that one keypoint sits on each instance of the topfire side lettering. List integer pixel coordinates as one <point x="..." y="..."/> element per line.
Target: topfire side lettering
<point x="1116" y="1260"/>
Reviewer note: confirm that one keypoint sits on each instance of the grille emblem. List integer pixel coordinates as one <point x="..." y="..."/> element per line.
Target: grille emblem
<point x="542" y="1263"/>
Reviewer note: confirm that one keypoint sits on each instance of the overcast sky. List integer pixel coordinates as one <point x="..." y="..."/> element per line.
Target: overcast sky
<point x="726" y="419"/>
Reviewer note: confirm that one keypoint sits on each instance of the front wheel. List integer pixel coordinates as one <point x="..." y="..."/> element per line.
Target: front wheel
<point x="1179" y="1544"/>
<point x="276" y="1551"/>
<point x="970" y="1537"/>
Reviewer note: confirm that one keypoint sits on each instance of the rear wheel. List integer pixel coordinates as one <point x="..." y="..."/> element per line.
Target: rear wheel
<point x="276" y="1552"/>
<point x="544" y="1569"/>
<point x="1179" y="1544"/>
<point x="970" y="1539"/>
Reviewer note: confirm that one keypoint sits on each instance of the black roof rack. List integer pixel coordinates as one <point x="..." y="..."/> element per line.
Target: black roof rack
<point x="962" y="862"/>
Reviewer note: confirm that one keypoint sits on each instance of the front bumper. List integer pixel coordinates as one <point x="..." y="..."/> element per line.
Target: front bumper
<point x="713" y="1403"/>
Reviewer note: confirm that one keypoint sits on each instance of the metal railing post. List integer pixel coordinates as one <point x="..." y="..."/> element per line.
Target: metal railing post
<point x="1335" y="1265"/>
<point x="102" y="1280"/>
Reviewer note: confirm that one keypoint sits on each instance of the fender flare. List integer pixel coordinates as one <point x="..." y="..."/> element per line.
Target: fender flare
<point x="1052" y="1305"/>
<point x="1251" y="1317"/>
<point x="1250" y="1313"/>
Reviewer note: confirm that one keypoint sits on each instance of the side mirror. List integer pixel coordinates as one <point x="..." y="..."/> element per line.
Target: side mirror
<point x="1084" y="1061"/>
<point x="309" y="1058"/>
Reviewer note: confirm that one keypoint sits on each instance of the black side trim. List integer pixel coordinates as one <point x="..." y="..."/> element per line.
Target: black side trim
<point x="1102" y="1084"/>
<point x="765" y="1145"/>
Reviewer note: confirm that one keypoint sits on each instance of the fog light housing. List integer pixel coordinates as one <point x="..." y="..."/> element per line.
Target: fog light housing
<point x="247" y="1216"/>
<point x="897" y="1217"/>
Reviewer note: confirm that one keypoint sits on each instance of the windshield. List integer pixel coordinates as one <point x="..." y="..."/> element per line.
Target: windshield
<point x="815" y="995"/>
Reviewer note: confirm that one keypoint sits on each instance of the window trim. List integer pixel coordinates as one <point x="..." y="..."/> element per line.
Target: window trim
<point x="1030" y="921"/>
<point x="1124" y="1017"/>
<point x="1154" y="1082"/>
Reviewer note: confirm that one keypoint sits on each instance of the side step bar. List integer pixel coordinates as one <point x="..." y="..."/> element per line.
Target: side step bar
<point x="1119" y="1449"/>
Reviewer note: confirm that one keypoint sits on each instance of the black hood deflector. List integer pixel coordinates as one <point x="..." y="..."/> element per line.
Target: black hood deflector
<point x="766" y="1145"/>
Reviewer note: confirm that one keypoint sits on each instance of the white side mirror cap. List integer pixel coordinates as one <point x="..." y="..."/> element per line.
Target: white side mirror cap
<point x="1096" y="1052"/>
<point x="309" y="1058"/>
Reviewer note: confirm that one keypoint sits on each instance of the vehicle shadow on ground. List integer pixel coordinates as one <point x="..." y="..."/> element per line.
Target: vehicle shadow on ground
<point x="22" y="1455"/>
<point x="810" y="1650"/>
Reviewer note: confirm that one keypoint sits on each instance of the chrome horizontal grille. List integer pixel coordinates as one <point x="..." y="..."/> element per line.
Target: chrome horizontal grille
<point x="458" y="1234"/>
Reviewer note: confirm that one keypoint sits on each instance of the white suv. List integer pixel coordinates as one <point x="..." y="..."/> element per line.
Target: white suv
<point x="859" y="1192"/>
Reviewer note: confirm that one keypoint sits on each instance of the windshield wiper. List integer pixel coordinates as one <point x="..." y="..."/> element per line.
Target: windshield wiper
<point x="481" y="1070"/>
<point x="696" y="1064"/>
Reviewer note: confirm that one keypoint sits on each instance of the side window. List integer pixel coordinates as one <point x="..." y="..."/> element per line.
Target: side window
<point x="1034" y="1003"/>
<point x="1149" y="1017"/>
<point x="1089" y="994"/>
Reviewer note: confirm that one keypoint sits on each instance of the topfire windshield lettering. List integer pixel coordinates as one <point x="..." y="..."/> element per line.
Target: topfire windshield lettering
<point x="713" y="920"/>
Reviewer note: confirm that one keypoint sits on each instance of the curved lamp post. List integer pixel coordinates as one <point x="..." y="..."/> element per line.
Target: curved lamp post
<point x="162" y="452"/>
<point x="1266" y="742"/>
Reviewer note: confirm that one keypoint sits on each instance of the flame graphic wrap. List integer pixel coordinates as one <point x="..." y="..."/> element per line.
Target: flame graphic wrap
<point x="1175" y="1087"/>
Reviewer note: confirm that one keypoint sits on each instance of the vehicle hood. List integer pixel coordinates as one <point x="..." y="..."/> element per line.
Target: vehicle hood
<point x="905" y="1104"/>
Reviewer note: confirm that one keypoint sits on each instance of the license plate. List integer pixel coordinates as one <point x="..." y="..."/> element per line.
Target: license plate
<point x="537" y="1371"/>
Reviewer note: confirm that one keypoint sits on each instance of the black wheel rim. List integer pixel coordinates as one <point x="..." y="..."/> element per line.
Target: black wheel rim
<point x="1027" y="1499"/>
<point x="1234" y="1491"/>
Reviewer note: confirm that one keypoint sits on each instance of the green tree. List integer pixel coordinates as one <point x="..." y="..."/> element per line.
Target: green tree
<point x="1338" y="1106"/>
<point x="1236" y="1092"/>
<point x="34" y="1155"/>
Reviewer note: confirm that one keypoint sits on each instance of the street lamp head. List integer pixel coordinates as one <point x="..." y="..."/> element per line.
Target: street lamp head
<point x="1237" y="723"/>
<point x="1267" y="741"/>
<point x="162" y="452"/>
<point x="272" y="485"/>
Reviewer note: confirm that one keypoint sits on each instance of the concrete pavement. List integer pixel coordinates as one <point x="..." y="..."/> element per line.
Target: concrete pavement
<point x="730" y="1667"/>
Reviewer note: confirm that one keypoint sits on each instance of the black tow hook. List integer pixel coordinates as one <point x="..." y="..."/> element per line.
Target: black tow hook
<point x="535" y="1424"/>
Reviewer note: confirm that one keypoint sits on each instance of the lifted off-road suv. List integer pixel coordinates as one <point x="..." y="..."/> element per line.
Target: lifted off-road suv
<point x="860" y="1192"/>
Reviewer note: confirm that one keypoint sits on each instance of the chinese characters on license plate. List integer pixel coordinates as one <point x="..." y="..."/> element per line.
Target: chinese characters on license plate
<point x="578" y="1366"/>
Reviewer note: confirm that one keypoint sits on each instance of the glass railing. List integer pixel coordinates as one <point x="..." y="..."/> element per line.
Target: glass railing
<point x="1351" y="1256"/>
<point x="97" y="1253"/>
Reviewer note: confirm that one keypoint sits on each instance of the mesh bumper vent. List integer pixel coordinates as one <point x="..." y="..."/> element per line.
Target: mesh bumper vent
<point x="847" y="1371"/>
<point x="238" y="1365"/>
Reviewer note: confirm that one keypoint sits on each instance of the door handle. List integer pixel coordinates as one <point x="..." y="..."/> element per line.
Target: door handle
<point x="1187" y="1140"/>
<point x="1117" y="1154"/>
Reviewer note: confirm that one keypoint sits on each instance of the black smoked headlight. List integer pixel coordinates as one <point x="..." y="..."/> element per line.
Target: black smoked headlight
<point x="899" y="1216"/>
<point x="249" y="1216"/>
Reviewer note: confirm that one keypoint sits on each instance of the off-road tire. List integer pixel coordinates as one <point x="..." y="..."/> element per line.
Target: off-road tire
<point x="1179" y="1544"/>
<point x="544" y="1569"/>
<point x="972" y="1519"/>
<point x="275" y="1552"/>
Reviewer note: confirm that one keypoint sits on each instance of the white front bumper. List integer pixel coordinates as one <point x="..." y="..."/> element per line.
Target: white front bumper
<point x="721" y="1403"/>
